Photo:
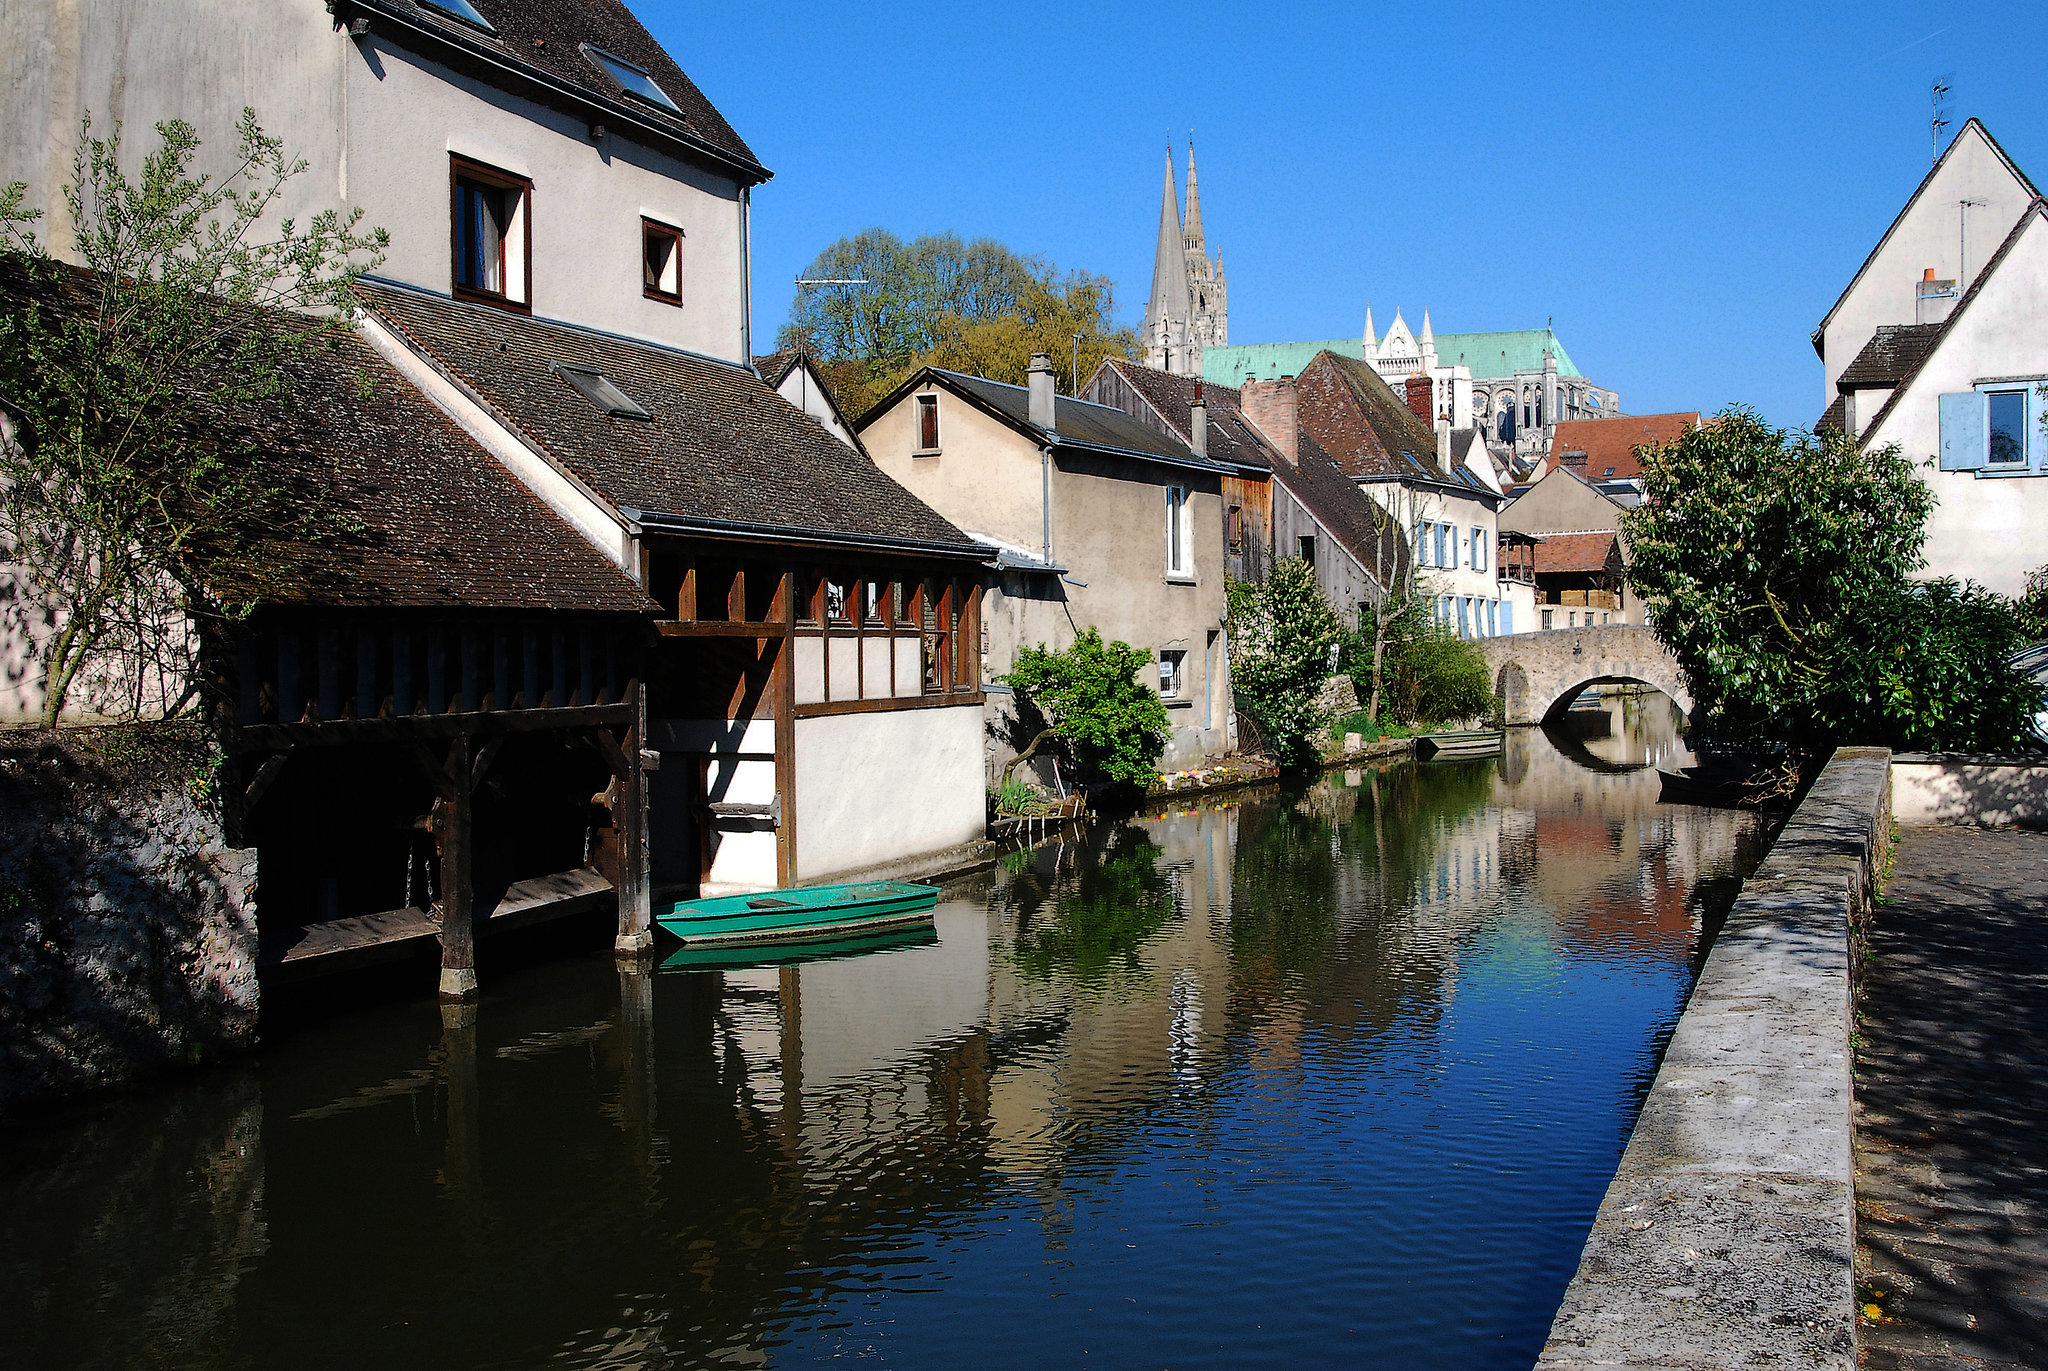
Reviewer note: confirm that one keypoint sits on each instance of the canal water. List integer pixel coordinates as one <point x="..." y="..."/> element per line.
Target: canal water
<point x="1325" y="1076"/>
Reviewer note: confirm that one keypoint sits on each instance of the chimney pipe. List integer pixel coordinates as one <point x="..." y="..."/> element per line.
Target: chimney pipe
<point x="1198" y="423"/>
<point x="1275" y="407"/>
<point x="1040" y="410"/>
<point x="1443" y="444"/>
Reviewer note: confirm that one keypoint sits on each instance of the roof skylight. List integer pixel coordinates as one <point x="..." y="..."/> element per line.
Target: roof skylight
<point x="599" y="390"/>
<point x="632" y="80"/>
<point x="462" y="10"/>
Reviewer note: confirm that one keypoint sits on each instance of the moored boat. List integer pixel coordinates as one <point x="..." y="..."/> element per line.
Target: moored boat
<point x="740" y="956"/>
<point x="808" y="912"/>
<point x="1464" y="742"/>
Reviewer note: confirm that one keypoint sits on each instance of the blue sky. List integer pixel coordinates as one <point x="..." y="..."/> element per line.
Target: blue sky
<point x="1683" y="188"/>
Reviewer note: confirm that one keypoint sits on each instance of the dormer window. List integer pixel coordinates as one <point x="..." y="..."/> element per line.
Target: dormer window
<point x="493" y="250"/>
<point x="597" y="388"/>
<point x="631" y="80"/>
<point x="661" y="262"/>
<point x="462" y="10"/>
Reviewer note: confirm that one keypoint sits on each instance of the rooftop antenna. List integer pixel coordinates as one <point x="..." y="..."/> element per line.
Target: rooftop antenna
<point x="803" y="337"/>
<point x="1938" y="96"/>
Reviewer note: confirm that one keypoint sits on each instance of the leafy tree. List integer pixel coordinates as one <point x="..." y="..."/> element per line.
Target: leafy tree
<point x="977" y="307"/>
<point x="1777" y="566"/>
<point x="1091" y="700"/>
<point x="1396" y="515"/>
<point x="134" y="494"/>
<point x="1280" y="657"/>
<point x="1425" y="673"/>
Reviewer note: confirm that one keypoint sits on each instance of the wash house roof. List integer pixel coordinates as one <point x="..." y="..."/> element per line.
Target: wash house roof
<point x="539" y="47"/>
<point x="717" y="450"/>
<point x="428" y="519"/>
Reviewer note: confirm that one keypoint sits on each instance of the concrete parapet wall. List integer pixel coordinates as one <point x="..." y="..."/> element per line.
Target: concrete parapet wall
<point x="1952" y="788"/>
<point x="1727" y="1236"/>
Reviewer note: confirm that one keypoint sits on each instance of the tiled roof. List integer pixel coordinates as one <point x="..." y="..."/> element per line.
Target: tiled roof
<point x="1366" y="428"/>
<point x="720" y="447"/>
<point x="1610" y="444"/>
<point x="1892" y="351"/>
<point x="1172" y="398"/>
<point x="1575" y="552"/>
<point x="1315" y="479"/>
<point x="777" y="365"/>
<point x="545" y="38"/>
<point x="1078" y="422"/>
<point x="438" y="521"/>
<point x="1834" y="414"/>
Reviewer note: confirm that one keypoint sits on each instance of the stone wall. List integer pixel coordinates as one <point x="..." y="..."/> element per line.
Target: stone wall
<point x="127" y="926"/>
<point x="1538" y="674"/>
<point x="1727" y="1237"/>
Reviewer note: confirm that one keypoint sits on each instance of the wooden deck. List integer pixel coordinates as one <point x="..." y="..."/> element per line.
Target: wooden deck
<point x="346" y="944"/>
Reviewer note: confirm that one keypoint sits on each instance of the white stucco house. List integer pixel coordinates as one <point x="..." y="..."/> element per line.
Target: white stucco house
<point x="1948" y="322"/>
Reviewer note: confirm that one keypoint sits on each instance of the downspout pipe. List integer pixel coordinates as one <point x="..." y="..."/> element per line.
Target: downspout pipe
<point x="1045" y="495"/>
<point x="746" y="276"/>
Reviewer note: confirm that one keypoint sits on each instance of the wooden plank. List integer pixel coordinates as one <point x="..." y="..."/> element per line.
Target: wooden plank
<point x="429" y="727"/>
<point x="260" y="782"/>
<point x="718" y="628"/>
<point x="883" y="706"/>
<point x="629" y="818"/>
<point x="783" y="684"/>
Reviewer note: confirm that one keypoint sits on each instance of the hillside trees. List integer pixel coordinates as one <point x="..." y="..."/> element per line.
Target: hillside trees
<point x="977" y="307"/>
<point x="132" y="503"/>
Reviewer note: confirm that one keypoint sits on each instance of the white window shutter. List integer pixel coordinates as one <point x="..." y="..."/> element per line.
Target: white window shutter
<point x="1965" y="430"/>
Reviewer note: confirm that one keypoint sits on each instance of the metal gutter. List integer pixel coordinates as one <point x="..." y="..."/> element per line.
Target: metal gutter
<point x="659" y="522"/>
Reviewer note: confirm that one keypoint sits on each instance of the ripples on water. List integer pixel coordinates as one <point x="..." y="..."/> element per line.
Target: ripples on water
<point x="1315" y="1077"/>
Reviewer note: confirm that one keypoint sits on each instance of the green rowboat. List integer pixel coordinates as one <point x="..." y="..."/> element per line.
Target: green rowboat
<point x="819" y="911"/>
<point x="744" y="956"/>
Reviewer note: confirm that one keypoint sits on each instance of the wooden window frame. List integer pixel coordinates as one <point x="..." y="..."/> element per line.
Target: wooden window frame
<point x="462" y="169"/>
<point x="920" y="403"/>
<point x="648" y="229"/>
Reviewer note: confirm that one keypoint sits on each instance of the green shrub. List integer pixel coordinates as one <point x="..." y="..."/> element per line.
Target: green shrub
<point x="1089" y="697"/>
<point x="1280" y="657"/>
<point x="1430" y="674"/>
<point x="1359" y="722"/>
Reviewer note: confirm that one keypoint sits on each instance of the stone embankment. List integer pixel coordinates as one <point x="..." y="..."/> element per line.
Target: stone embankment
<point x="1727" y="1236"/>
<point x="127" y="926"/>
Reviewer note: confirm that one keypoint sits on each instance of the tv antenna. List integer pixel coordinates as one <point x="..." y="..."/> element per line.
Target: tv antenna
<point x="803" y="336"/>
<point x="1937" y="95"/>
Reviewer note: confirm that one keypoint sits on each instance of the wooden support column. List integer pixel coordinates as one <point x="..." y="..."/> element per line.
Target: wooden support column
<point x="629" y="825"/>
<point x="452" y="837"/>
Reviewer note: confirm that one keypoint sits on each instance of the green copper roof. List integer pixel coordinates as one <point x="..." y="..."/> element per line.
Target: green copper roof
<point x="1491" y="356"/>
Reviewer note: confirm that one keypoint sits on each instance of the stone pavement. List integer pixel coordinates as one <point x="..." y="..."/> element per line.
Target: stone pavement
<point x="1951" y="1131"/>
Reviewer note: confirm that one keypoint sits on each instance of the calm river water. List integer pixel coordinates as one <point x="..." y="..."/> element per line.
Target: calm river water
<point x="1333" y="1076"/>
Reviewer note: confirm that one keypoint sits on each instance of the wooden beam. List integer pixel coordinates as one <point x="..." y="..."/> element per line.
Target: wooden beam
<point x="485" y="755"/>
<point x="452" y="836"/>
<point x="430" y="727"/>
<point x="883" y="706"/>
<point x="783" y="683"/>
<point x="718" y="628"/>
<point x="260" y="782"/>
<point x="629" y="818"/>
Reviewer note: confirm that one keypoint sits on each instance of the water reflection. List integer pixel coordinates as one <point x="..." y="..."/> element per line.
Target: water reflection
<point x="1300" y="1077"/>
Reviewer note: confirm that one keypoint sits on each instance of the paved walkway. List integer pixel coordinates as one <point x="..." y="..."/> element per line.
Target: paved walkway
<point x="1952" y="1106"/>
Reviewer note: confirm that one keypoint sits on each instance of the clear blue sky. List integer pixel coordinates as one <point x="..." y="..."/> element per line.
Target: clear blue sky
<point x="1684" y="188"/>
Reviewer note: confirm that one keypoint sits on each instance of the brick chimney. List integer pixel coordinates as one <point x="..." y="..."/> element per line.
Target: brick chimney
<point x="1422" y="397"/>
<point x="1275" y="407"/>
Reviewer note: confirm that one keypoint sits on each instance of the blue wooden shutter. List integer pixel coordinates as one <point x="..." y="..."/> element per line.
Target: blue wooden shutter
<point x="1507" y="616"/>
<point x="1965" y="430"/>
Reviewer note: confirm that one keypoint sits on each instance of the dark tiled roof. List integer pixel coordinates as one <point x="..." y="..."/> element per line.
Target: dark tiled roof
<point x="438" y="521"/>
<point x="1892" y="351"/>
<point x="720" y="448"/>
<point x="1613" y="442"/>
<point x="1834" y="414"/>
<point x="1315" y="479"/>
<point x="1356" y="417"/>
<point x="776" y="365"/>
<point x="546" y="37"/>
<point x="1172" y="398"/>
<point x="1079" y="422"/>
<point x="1575" y="552"/>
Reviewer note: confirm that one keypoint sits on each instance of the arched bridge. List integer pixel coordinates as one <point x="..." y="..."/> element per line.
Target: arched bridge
<point x="1538" y="675"/>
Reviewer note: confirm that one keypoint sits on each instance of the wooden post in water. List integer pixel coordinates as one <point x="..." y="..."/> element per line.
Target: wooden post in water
<point x="452" y="838"/>
<point x="629" y="823"/>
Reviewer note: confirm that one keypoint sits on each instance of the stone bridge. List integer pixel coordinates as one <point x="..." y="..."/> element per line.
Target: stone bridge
<point x="1538" y="675"/>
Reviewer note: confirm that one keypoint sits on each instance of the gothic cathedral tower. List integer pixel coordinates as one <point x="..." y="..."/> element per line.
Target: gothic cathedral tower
<point x="1189" y="306"/>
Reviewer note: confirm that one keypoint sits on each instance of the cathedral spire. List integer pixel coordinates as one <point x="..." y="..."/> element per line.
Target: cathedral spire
<point x="1192" y="235"/>
<point x="1171" y="307"/>
<point x="1372" y="342"/>
<point x="1428" y="340"/>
